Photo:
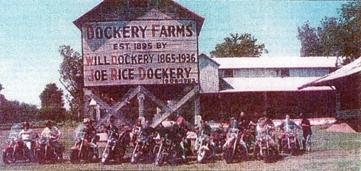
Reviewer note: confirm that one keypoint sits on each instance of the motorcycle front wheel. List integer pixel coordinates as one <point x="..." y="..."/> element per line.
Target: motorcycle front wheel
<point x="228" y="155"/>
<point x="8" y="157"/>
<point x="135" y="155"/>
<point x="74" y="156"/>
<point x="201" y="155"/>
<point x="105" y="156"/>
<point x="159" y="157"/>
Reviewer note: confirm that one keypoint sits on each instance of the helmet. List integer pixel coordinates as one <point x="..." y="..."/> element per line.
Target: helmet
<point x="86" y="120"/>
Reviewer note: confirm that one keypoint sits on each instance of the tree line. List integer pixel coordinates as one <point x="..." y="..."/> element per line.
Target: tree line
<point x="336" y="36"/>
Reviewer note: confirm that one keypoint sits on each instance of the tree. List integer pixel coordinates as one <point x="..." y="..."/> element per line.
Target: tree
<point x="310" y="43"/>
<point x="52" y="103"/>
<point x="1" y="87"/>
<point x="71" y="76"/>
<point x="336" y="36"/>
<point x="236" y="45"/>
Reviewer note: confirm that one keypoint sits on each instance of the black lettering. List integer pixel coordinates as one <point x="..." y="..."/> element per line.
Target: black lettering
<point x="172" y="73"/>
<point x="171" y="31"/>
<point x="163" y="32"/>
<point x="180" y="30"/>
<point x="99" y="33"/>
<point x="187" y="71"/>
<point x="131" y="73"/>
<point x="180" y="73"/>
<point x="164" y="72"/>
<point x="107" y="32"/>
<point x="158" y="74"/>
<point x="90" y="33"/>
<point x="126" y="32"/>
<point x="150" y="74"/>
<point x="116" y="32"/>
<point x="143" y="29"/>
<point x="104" y="75"/>
<point x="135" y="30"/>
<point x="189" y="30"/>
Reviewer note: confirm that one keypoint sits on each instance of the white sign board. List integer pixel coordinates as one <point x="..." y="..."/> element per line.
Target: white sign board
<point x="140" y="52"/>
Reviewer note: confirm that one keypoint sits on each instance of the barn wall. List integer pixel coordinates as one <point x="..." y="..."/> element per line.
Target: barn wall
<point x="209" y="78"/>
<point x="349" y="96"/>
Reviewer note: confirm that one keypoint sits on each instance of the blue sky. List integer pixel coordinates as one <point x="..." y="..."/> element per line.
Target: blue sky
<point x="32" y="30"/>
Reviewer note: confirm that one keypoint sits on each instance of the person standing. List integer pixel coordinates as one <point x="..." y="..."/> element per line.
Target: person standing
<point x="307" y="132"/>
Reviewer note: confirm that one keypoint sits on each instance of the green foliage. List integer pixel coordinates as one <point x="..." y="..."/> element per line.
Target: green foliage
<point x="52" y="104"/>
<point x="236" y="45"/>
<point x="71" y="76"/>
<point x="14" y="111"/>
<point x="338" y="36"/>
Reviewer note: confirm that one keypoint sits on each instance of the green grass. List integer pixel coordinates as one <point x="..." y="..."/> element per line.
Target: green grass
<point x="331" y="151"/>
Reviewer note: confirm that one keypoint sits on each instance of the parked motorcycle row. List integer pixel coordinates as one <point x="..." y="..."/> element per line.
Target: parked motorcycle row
<point x="160" y="146"/>
<point x="39" y="148"/>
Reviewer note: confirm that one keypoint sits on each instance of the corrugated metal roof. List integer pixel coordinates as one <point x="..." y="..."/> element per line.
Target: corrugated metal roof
<point x="276" y="62"/>
<point x="347" y="70"/>
<point x="271" y="84"/>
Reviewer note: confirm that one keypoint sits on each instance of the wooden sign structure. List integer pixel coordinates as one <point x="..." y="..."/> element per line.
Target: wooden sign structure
<point x="140" y="43"/>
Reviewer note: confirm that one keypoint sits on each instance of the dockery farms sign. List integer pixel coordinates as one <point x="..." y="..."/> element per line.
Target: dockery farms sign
<point x="140" y="52"/>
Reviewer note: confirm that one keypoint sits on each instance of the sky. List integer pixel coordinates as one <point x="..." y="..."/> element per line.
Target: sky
<point x="31" y="32"/>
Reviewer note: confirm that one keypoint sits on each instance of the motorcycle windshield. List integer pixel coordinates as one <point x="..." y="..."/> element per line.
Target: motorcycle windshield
<point x="14" y="131"/>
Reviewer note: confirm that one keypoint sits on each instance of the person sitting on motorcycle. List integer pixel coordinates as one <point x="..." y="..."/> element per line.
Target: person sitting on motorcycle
<point x="286" y="126"/>
<point x="233" y="128"/>
<point x="112" y="129"/>
<point x="136" y="130"/>
<point x="205" y="128"/>
<point x="53" y="134"/>
<point x="263" y="124"/>
<point x="27" y="135"/>
<point x="248" y="127"/>
<point x="244" y="121"/>
<point x="90" y="133"/>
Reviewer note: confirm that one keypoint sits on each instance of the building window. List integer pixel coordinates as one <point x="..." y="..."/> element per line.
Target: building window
<point x="228" y="73"/>
<point x="285" y="72"/>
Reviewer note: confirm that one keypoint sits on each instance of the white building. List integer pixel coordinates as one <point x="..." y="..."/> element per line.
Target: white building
<point x="266" y="84"/>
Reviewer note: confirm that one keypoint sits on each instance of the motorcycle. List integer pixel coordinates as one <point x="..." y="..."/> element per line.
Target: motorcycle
<point x="165" y="151"/>
<point x="143" y="149"/>
<point x="206" y="149"/>
<point x="116" y="146"/>
<point x="218" y="137"/>
<point x="290" y="143"/>
<point x="263" y="146"/>
<point x="234" y="146"/>
<point x="45" y="151"/>
<point x="83" y="149"/>
<point x="16" y="149"/>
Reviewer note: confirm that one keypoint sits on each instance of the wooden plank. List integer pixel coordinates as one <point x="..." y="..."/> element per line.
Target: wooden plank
<point x="175" y="107"/>
<point x="164" y="107"/>
<point x="100" y="101"/>
<point x="126" y="98"/>
<point x="114" y="110"/>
